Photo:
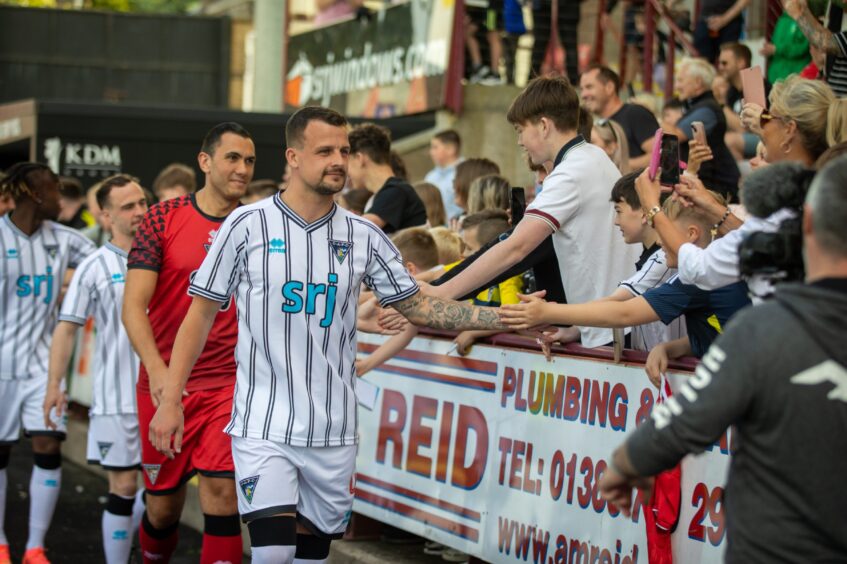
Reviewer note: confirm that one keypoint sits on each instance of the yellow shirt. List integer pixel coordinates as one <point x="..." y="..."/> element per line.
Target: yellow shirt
<point x="506" y="292"/>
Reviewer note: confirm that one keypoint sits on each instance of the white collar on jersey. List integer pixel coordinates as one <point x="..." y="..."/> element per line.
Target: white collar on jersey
<point x="46" y="231"/>
<point x="115" y="249"/>
<point x="299" y="220"/>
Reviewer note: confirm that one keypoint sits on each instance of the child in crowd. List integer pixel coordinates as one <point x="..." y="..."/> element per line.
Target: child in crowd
<point x="429" y="194"/>
<point x="355" y="200"/>
<point x="652" y="266"/>
<point x="705" y="312"/>
<point x="419" y="253"/>
<point x="451" y="248"/>
<point x="478" y="230"/>
<point x="466" y="172"/>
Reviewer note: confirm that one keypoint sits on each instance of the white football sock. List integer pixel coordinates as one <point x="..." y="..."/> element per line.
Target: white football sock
<point x="275" y="554"/>
<point x="44" y="489"/>
<point x="117" y="536"/>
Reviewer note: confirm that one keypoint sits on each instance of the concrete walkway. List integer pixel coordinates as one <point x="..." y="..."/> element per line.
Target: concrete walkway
<point x="75" y="534"/>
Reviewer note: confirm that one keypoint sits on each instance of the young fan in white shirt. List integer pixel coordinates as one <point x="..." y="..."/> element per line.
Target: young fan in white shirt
<point x="573" y="205"/>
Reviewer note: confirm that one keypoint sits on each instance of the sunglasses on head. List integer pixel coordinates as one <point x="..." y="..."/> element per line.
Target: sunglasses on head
<point x="605" y="122"/>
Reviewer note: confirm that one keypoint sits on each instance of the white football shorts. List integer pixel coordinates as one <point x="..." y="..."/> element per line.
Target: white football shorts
<point x="22" y="405"/>
<point x="316" y="483"/>
<point x="113" y="442"/>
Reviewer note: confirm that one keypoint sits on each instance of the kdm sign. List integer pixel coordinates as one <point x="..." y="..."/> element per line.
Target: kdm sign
<point x="393" y="64"/>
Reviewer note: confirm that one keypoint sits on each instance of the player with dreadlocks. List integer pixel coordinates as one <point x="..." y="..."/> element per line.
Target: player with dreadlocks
<point x="35" y="255"/>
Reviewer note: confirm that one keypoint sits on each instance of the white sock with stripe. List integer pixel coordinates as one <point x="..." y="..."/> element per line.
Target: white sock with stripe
<point x="117" y="529"/>
<point x="44" y="489"/>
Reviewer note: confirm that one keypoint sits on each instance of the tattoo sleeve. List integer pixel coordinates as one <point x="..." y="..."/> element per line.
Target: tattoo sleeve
<point x="438" y="313"/>
<point x="817" y="34"/>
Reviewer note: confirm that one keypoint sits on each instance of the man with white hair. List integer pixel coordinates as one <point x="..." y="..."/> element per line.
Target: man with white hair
<point x="694" y="85"/>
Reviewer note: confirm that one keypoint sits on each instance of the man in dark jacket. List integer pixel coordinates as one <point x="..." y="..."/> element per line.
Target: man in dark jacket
<point x="694" y="83"/>
<point x="779" y="375"/>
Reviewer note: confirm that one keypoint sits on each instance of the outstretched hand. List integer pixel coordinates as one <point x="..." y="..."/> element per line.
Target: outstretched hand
<point x="531" y="312"/>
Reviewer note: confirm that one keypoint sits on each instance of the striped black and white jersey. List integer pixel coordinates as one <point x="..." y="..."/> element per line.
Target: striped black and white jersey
<point x="296" y="288"/>
<point x="97" y="290"/>
<point x="32" y="270"/>
<point x="652" y="274"/>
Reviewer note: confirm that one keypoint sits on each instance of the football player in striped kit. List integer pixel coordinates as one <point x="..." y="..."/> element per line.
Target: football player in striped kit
<point x="97" y="290"/>
<point x="37" y="253"/>
<point x="295" y="264"/>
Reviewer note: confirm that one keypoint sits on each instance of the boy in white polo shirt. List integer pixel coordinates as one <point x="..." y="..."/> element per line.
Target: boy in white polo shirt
<point x="573" y="205"/>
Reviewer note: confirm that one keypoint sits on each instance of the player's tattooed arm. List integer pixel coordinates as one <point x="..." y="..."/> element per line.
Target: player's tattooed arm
<point x="439" y="313"/>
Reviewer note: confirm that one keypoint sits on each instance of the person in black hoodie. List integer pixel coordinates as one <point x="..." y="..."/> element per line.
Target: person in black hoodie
<point x="779" y="375"/>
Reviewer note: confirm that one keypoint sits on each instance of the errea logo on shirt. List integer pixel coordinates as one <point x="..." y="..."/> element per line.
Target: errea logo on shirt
<point x="12" y="254"/>
<point x="276" y="245"/>
<point x="118" y="278"/>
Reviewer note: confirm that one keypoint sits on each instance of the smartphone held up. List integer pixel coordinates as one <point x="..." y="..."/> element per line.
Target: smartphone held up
<point x="664" y="160"/>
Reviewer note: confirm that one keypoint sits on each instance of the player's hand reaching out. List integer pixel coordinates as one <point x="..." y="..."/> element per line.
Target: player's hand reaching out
<point x="531" y="312"/>
<point x="168" y="423"/>
<point x="57" y="401"/>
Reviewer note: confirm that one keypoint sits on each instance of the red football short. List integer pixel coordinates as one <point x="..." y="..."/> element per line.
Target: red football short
<point x="205" y="447"/>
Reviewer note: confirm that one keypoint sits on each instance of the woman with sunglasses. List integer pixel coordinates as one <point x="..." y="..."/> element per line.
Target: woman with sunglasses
<point x="795" y="126"/>
<point x="795" y="129"/>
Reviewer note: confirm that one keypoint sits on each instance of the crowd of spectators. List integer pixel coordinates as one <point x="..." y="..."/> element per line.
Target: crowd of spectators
<point x="601" y="245"/>
<point x="672" y="277"/>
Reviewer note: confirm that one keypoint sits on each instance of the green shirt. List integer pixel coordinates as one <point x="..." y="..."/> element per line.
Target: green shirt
<point x="792" y="49"/>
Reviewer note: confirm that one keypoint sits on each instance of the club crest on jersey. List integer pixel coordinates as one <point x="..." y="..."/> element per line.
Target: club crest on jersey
<point x="12" y="254"/>
<point x="104" y="448"/>
<point x="248" y="487"/>
<point x="276" y="246"/>
<point x="152" y="471"/>
<point x="340" y="249"/>
<point x="211" y="239"/>
<point x="52" y="251"/>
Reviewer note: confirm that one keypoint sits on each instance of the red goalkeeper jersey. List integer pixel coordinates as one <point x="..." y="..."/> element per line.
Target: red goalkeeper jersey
<point x="173" y="240"/>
